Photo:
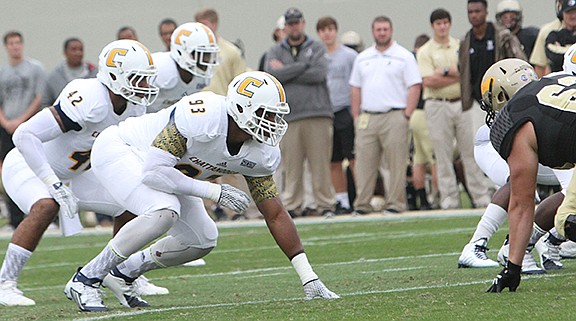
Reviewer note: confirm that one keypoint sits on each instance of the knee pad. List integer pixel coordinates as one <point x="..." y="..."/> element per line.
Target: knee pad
<point x="142" y="230"/>
<point x="570" y="227"/>
<point x="171" y="251"/>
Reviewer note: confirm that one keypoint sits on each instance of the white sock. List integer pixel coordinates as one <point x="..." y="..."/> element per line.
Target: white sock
<point x="137" y="264"/>
<point x="14" y="261"/>
<point x="102" y="264"/>
<point x="342" y="197"/>
<point x="491" y="220"/>
<point x="537" y="233"/>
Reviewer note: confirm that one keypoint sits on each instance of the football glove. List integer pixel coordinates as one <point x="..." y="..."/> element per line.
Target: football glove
<point x="509" y="277"/>
<point x="65" y="198"/>
<point x="233" y="198"/>
<point x="317" y="289"/>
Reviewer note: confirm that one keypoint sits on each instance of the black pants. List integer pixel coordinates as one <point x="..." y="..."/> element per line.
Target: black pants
<point x="15" y="214"/>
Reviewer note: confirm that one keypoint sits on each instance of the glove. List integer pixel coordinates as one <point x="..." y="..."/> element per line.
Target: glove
<point x="65" y="198"/>
<point x="233" y="198"/>
<point x="509" y="277"/>
<point x="317" y="289"/>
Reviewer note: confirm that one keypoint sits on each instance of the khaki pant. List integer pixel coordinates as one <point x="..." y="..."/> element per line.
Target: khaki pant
<point x="308" y="139"/>
<point x="381" y="139"/>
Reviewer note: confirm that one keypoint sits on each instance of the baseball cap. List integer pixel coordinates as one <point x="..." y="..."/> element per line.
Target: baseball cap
<point x="568" y="5"/>
<point x="293" y="15"/>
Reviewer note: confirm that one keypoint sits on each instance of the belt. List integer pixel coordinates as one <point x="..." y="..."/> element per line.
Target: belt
<point x="450" y="100"/>
<point x="381" y="112"/>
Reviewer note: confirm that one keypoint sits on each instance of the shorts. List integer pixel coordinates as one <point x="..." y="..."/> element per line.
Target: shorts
<point x="343" y="138"/>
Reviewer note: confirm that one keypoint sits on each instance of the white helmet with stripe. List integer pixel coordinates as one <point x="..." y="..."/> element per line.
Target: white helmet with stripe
<point x="194" y="48"/>
<point x="257" y="103"/>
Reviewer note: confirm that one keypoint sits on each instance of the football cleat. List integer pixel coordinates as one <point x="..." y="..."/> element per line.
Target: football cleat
<point x="568" y="250"/>
<point x="548" y="249"/>
<point x="144" y="287"/>
<point x="529" y="265"/>
<point x="474" y="256"/>
<point x="85" y="293"/>
<point x="10" y="295"/>
<point x="198" y="262"/>
<point x="123" y="289"/>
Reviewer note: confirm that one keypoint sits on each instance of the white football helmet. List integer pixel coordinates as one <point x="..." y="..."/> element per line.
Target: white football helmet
<point x="194" y="48"/>
<point x="257" y="103"/>
<point x="509" y="6"/>
<point x="501" y="81"/>
<point x="569" y="64"/>
<point x="127" y="69"/>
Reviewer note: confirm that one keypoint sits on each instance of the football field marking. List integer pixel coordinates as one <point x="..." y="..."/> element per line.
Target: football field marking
<point x="236" y="304"/>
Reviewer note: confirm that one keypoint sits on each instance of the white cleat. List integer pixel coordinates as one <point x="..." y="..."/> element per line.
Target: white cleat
<point x="529" y="265"/>
<point x="144" y="287"/>
<point x="10" y="295"/>
<point x="199" y="262"/>
<point x="568" y="250"/>
<point x="474" y="256"/>
<point x="123" y="291"/>
<point x="87" y="297"/>
<point x="548" y="249"/>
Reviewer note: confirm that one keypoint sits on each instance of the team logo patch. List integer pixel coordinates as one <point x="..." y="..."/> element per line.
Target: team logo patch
<point x="247" y="163"/>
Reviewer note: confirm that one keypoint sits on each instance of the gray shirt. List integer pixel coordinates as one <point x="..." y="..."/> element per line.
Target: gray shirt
<point x="19" y="85"/>
<point x="340" y="63"/>
<point x="61" y="76"/>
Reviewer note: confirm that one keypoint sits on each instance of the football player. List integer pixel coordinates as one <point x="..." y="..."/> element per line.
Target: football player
<point x="188" y="67"/>
<point x="536" y="125"/>
<point x="53" y="149"/>
<point x="166" y="160"/>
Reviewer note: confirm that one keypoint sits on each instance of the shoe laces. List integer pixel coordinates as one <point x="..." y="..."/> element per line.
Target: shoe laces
<point x="92" y="295"/>
<point x="553" y="251"/>
<point x="480" y="251"/>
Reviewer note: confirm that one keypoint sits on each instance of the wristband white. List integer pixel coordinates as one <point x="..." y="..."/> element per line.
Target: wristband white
<point x="50" y="180"/>
<point x="303" y="268"/>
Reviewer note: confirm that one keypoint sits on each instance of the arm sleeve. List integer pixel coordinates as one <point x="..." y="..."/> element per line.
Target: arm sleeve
<point x="159" y="173"/>
<point x="28" y="138"/>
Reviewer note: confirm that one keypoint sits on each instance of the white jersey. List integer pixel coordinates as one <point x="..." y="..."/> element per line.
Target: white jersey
<point x="202" y="119"/>
<point x="171" y="86"/>
<point x="84" y="104"/>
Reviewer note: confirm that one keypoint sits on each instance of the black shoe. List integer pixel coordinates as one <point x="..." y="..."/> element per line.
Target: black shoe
<point x="391" y="211"/>
<point x="359" y="212"/>
<point x="309" y="212"/>
<point x="342" y="210"/>
<point x="292" y="213"/>
<point x="328" y="213"/>
<point x="219" y="213"/>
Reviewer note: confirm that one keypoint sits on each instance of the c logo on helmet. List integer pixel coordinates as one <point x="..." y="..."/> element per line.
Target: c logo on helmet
<point x="112" y="55"/>
<point x="243" y="87"/>
<point x="181" y="33"/>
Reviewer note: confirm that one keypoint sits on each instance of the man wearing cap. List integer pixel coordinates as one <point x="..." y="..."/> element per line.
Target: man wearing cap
<point x="558" y="41"/>
<point x="301" y="65"/>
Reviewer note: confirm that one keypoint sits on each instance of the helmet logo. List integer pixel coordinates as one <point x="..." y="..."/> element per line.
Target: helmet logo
<point x="182" y="32"/>
<point x="110" y="61"/>
<point x="486" y="85"/>
<point x="209" y="33"/>
<point x="243" y="87"/>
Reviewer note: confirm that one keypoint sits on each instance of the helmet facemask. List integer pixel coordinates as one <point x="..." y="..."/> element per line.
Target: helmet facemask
<point x="266" y="124"/>
<point x="136" y="87"/>
<point x="202" y="61"/>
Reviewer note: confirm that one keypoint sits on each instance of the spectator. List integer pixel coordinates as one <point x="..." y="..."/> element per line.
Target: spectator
<point x="538" y="57"/>
<point x="558" y="41"/>
<point x="385" y="89"/>
<point x="278" y="35"/>
<point x="447" y="120"/>
<point x="509" y="15"/>
<point x="72" y="68"/>
<point x="300" y="64"/>
<point x="165" y="28"/>
<point x="340" y="62"/>
<point x="423" y="155"/>
<point x="22" y="82"/>
<point x="483" y="45"/>
<point x="126" y="32"/>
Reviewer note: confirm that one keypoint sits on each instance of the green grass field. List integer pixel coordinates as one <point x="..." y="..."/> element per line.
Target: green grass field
<point x="401" y="267"/>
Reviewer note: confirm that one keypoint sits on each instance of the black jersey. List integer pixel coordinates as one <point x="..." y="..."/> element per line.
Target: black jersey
<point x="550" y="105"/>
